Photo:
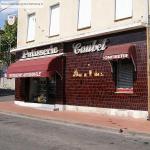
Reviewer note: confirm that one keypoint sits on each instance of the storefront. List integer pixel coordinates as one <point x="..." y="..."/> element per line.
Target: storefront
<point x="108" y="71"/>
<point x="39" y="75"/>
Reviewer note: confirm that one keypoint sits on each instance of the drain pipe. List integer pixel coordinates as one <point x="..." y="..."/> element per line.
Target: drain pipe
<point x="148" y="54"/>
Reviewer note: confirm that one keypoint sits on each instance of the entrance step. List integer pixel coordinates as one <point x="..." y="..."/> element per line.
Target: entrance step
<point x="48" y="107"/>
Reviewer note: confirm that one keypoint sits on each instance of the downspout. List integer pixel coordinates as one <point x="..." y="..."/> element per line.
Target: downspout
<point x="148" y="54"/>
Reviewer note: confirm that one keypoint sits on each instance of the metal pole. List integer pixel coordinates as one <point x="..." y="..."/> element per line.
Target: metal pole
<point x="148" y="58"/>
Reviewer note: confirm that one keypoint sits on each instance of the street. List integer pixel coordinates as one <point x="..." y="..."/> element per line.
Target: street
<point x="24" y="133"/>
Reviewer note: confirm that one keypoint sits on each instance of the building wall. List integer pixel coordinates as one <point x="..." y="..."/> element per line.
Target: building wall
<point x="103" y="14"/>
<point x="100" y="91"/>
<point x="7" y="83"/>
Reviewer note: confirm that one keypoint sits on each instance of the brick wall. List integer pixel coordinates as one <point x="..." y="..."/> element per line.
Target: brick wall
<point x="60" y="66"/>
<point x="100" y="91"/>
<point x="20" y="89"/>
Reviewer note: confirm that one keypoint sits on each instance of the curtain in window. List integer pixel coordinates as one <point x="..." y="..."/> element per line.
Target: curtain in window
<point x="31" y="28"/>
<point x="84" y="19"/>
<point x="54" y="20"/>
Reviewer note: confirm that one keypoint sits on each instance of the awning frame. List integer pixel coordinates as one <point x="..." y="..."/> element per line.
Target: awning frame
<point x="40" y="67"/>
<point x="124" y="51"/>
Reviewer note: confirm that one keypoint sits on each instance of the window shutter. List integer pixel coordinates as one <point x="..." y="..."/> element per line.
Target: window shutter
<point x="125" y="75"/>
<point x="84" y="18"/>
<point x="54" y="20"/>
<point x="123" y="9"/>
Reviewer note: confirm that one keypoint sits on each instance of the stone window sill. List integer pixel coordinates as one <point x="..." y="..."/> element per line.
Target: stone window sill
<point x="124" y="90"/>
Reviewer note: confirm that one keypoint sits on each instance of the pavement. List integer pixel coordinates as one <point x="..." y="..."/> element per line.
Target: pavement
<point x="6" y="98"/>
<point x="118" y="124"/>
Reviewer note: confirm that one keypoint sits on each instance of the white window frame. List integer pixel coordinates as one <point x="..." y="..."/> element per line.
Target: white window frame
<point x="126" y="13"/>
<point x="88" y="25"/>
<point x="32" y="39"/>
<point x="50" y="20"/>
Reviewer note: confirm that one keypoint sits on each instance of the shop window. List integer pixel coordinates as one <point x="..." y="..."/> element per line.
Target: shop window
<point x="123" y="9"/>
<point x="31" y="27"/>
<point x="43" y="90"/>
<point x="84" y="14"/>
<point x="124" y="76"/>
<point x="54" y="20"/>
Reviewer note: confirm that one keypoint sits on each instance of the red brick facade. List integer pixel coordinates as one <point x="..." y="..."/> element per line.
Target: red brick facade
<point x="100" y="91"/>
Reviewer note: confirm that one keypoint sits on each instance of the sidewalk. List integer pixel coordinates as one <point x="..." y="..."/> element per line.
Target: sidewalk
<point x="127" y="125"/>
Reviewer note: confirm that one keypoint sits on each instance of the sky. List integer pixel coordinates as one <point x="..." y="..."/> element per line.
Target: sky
<point x="5" y="13"/>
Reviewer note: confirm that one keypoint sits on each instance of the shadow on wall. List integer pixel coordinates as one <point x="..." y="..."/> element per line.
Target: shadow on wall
<point x="6" y="92"/>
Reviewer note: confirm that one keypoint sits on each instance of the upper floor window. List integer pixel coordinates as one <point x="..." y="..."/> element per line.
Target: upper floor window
<point x="84" y="14"/>
<point x="54" y="20"/>
<point x="123" y="9"/>
<point x="31" y="27"/>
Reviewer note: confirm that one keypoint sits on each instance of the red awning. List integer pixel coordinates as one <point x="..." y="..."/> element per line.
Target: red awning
<point x="42" y="67"/>
<point x="121" y="52"/>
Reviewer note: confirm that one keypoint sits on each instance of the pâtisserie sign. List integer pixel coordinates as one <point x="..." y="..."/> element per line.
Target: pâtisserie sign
<point x="95" y="45"/>
<point x="37" y="53"/>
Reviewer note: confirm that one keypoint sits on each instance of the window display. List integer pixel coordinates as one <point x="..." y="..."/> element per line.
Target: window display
<point x="43" y="90"/>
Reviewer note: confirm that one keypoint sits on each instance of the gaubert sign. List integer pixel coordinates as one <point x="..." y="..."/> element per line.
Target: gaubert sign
<point x="95" y="45"/>
<point x="37" y="53"/>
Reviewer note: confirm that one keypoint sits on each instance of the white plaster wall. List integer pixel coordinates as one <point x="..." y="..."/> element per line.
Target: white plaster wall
<point x="7" y="83"/>
<point x="103" y="12"/>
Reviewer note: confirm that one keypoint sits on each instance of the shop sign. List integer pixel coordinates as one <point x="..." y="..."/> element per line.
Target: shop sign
<point x="96" y="45"/>
<point x="116" y="57"/>
<point x="19" y="75"/>
<point x="44" y="52"/>
<point x="90" y="73"/>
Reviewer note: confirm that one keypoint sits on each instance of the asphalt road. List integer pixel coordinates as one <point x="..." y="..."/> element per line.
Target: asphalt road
<point x="23" y="133"/>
